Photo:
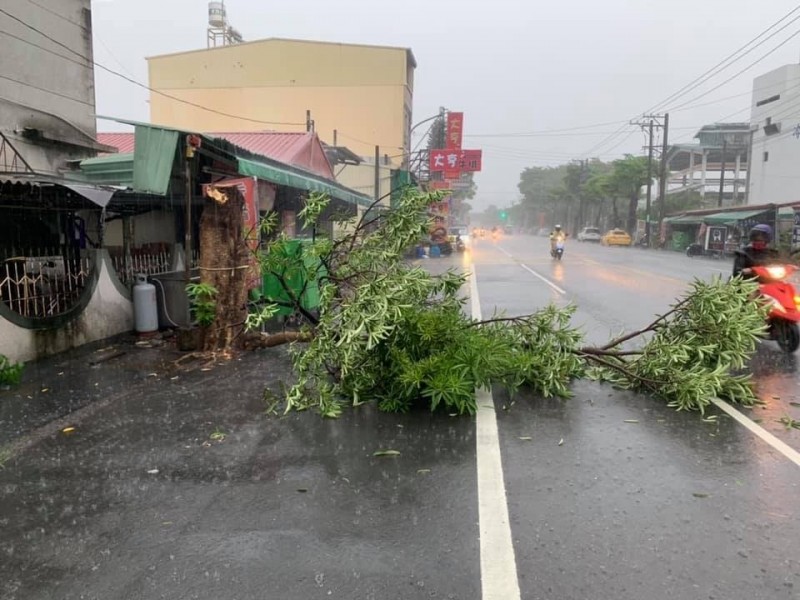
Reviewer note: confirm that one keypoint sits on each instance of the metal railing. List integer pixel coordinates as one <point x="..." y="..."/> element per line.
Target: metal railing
<point x="147" y="262"/>
<point x="43" y="284"/>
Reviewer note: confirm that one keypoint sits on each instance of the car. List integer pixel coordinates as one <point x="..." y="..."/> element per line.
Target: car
<point x="589" y="234"/>
<point x="616" y="237"/>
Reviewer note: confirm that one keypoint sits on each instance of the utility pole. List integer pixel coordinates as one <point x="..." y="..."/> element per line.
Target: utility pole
<point x="309" y="122"/>
<point x="649" y="184"/>
<point x="662" y="184"/>
<point x="651" y="124"/>
<point x="377" y="173"/>
<point x="722" y="171"/>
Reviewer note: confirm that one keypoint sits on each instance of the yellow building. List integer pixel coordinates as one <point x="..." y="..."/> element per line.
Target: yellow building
<point x="364" y="93"/>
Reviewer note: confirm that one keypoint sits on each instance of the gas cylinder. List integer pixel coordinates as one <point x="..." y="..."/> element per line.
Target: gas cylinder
<point x="145" y="306"/>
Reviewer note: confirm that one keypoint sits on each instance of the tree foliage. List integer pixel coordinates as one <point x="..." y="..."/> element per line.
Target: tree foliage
<point x="390" y="332"/>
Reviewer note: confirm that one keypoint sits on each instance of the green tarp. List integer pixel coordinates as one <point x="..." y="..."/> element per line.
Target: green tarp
<point x="285" y="175"/>
<point x="153" y="157"/>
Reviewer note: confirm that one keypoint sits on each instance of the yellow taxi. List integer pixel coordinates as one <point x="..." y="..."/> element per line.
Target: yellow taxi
<point x="616" y="237"/>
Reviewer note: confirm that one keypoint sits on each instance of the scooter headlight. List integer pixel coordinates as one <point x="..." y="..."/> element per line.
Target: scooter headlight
<point x="777" y="272"/>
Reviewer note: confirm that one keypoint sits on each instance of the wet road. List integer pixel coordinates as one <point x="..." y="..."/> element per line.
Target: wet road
<point x="178" y="485"/>
<point x="612" y="495"/>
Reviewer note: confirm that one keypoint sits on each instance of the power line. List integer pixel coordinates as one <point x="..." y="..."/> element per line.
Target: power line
<point x="775" y="49"/>
<point x="45" y="90"/>
<point x="139" y="84"/>
<point x="59" y="15"/>
<point x="621" y="129"/>
<point x="716" y="68"/>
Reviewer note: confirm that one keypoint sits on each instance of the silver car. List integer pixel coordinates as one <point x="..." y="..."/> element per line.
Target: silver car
<point x="589" y="234"/>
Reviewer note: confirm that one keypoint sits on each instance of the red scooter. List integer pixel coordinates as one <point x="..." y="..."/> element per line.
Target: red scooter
<point x="784" y="313"/>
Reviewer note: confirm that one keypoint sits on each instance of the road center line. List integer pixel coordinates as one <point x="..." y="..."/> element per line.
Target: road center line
<point x="789" y="452"/>
<point x="532" y="272"/>
<point x="499" y="579"/>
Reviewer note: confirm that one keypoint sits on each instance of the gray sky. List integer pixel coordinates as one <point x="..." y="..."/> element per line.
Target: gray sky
<point x="510" y="65"/>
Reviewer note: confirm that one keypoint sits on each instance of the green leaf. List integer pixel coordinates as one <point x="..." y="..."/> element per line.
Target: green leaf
<point x="386" y="453"/>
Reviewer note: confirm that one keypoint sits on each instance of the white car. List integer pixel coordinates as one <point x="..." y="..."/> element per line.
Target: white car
<point x="589" y="234"/>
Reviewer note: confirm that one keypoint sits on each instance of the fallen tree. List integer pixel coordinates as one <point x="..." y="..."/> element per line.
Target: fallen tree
<point x="388" y="331"/>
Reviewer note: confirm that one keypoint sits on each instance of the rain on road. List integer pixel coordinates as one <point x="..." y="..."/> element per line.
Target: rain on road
<point x="613" y="495"/>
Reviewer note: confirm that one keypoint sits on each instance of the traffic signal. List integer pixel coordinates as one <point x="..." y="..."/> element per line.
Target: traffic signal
<point x="503" y="215"/>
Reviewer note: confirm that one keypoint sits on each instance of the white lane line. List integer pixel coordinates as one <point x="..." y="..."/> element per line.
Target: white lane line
<point x="534" y="273"/>
<point x="499" y="579"/>
<point x="789" y="452"/>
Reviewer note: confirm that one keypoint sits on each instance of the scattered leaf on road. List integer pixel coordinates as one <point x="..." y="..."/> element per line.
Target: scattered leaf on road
<point x="152" y="471"/>
<point x="561" y="442"/>
<point x="386" y="453"/>
<point x="795" y="403"/>
<point x="526" y="438"/>
<point x="302" y="490"/>
<point x="700" y="495"/>
<point x="423" y="471"/>
<point x="631" y="420"/>
<point x="68" y="430"/>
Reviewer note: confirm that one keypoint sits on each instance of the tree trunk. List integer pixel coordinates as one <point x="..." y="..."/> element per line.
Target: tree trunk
<point x="615" y="213"/>
<point x="224" y="264"/>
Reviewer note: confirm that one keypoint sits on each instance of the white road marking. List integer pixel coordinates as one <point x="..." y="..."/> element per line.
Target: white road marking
<point x="789" y="452"/>
<point x="499" y="579"/>
<point x="534" y="273"/>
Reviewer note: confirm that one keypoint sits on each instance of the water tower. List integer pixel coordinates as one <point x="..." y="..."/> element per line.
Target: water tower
<point x="219" y="32"/>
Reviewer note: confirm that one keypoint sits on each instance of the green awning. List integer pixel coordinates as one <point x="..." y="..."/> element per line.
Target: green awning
<point x="684" y="220"/>
<point x="732" y="217"/>
<point x="153" y="157"/>
<point x="114" y="169"/>
<point x="291" y="177"/>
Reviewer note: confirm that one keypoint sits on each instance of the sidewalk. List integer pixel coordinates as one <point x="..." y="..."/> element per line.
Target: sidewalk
<point x="176" y="484"/>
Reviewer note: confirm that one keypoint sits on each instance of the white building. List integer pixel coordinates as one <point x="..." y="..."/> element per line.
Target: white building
<point x="775" y="126"/>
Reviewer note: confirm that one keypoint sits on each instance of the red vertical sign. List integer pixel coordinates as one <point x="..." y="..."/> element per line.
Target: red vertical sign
<point x="455" y="130"/>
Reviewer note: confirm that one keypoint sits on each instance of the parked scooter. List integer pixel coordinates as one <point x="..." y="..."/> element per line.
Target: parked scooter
<point x="698" y="250"/>
<point x="784" y="303"/>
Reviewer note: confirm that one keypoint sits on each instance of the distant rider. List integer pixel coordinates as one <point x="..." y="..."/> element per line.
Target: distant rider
<point x="756" y="253"/>
<point x="556" y="236"/>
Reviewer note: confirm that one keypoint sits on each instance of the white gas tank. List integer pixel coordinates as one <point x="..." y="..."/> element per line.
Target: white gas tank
<point x="145" y="306"/>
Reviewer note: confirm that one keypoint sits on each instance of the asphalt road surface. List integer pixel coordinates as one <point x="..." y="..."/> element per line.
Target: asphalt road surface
<point x="613" y="495"/>
<point x="175" y="484"/>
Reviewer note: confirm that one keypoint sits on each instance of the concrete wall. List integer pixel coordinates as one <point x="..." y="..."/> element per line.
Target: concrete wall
<point x="109" y="312"/>
<point x="364" y="92"/>
<point x="45" y="87"/>
<point x="774" y="177"/>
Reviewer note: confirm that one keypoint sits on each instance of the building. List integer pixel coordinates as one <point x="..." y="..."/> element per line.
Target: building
<point x="775" y="123"/>
<point x="47" y="108"/>
<point x="55" y="287"/>
<point x="721" y="149"/>
<point x="361" y="95"/>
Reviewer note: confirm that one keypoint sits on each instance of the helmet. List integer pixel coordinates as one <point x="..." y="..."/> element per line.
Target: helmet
<point x="558" y="227"/>
<point x="761" y="233"/>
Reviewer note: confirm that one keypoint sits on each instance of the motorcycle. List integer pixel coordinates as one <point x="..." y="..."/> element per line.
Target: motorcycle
<point x="558" y="251"/>
<point x="460" y="245"/>
<point x="784" y="304"/>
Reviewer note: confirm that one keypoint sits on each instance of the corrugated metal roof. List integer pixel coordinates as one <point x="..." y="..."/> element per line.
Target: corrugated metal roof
<point x="297" y="149"/>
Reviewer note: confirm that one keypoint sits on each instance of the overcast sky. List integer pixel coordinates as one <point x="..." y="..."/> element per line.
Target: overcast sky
<point x="511" y="65"/>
